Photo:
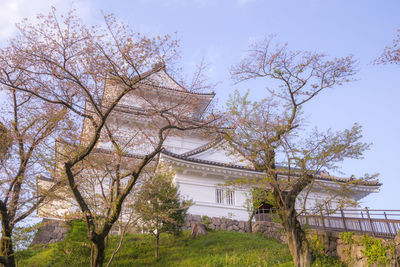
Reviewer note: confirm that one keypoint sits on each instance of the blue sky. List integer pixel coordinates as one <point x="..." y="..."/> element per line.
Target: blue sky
<point x="220" y="31"/>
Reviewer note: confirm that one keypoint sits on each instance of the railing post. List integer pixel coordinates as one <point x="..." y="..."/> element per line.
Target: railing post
<point x="361" y="230"/>
<point x="370" y="222"/>
<point x="387" y="223"/>
<point x="343" y="219"/>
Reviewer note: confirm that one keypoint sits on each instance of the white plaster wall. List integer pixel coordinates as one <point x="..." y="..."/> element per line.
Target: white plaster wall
<point x="201" y="189"/>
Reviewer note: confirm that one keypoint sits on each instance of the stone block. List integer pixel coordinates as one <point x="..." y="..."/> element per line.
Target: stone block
<point x="215" y="220"/>
<point x="197" y="218"/>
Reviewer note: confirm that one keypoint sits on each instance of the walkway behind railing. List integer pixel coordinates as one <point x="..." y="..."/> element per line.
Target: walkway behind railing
<point x="378" y="223"/>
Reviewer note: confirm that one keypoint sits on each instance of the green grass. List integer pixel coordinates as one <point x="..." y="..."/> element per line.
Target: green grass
<point x="214" y="249"/>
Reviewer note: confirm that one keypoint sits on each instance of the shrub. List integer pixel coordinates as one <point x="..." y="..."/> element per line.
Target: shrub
<point x="316" y="245"/>
<point x="205" y="220"/>
<point x="375" y="251"/>
<point x="75" y="248"/>
<point x="319" y="256"/>
<point x="347" y="237"/>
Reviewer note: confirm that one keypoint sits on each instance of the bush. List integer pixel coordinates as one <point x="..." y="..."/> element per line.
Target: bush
<point x="319" y="256"/>
<point x="375" y="251"/>
<point x="347" y="237"/>
<point x="75" y="248"/>
<point x="324" y="261"/>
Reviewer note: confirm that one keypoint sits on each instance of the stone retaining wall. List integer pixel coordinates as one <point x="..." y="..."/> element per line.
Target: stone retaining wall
<point x="352" y="254"/>
<point x="271" y="230"/>
<point x="216" y="223"/>
<point x="51" y="231"/>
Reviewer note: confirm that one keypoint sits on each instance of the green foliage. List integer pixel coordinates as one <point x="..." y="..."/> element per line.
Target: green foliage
<point x="316" y="245"/>
<point x="326" y="261"/>
<point x="75" y="248"/>
<point x="218" y="248"/>
<point x="347" y="237"/>
<point x="158" y="204"/>
<point x="375" y="251"/>
<point x="205" y="220"/>
<point x="22" y="236"/>
<point x="319" y="256"/>
<point x="38" y="256"/>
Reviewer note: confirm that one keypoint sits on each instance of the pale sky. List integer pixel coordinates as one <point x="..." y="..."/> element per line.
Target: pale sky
<point x="220" y="31"/>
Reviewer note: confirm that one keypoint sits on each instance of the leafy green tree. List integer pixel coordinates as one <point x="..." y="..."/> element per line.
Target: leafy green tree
<point x="270" y="134"/>
<point x="159" y="206"/>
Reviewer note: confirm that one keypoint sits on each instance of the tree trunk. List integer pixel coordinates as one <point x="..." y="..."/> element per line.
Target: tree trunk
<point x="6" y="250"/>
<point x="98" y="253"/>
<point x="297" y="241"/>
<point x="250" y="222"/>
<point x="157" y="242"/>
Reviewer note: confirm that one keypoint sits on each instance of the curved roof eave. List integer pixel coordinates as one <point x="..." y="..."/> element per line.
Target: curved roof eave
<point x="255" y="172"/>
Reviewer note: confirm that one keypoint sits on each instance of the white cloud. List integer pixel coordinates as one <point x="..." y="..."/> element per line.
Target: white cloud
<point x="13" y="11"/>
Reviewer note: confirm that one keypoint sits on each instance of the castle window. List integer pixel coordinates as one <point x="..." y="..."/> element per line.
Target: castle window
<point x="230" y="197"/>
<point x="224" y="197"/>
<point x="219" y="196"/>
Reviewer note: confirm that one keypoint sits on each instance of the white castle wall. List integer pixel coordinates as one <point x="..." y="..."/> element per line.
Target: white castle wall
<point x="202" y="191"/>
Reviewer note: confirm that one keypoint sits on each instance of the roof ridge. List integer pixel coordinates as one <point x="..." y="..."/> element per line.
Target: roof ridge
<point x="176" y="90"/>
<point x="202" y="148"/>
<point x="156" y="68"/>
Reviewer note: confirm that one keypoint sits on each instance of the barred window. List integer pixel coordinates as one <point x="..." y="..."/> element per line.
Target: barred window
<point x="219" y="196"/>
<point x="230" y="197"/>
<point x="224" y="197"/>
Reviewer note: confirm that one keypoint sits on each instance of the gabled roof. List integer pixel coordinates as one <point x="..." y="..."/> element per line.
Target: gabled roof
<point x="158" y="77"/>
<point x="203" y="148"/>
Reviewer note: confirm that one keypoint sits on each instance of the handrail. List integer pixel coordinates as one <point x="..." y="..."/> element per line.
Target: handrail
<point x="379" y="223"/>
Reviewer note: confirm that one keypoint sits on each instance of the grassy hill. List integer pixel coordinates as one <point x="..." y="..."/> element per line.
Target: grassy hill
<point x="214" y="249"/>
<point x="217" y="248"/>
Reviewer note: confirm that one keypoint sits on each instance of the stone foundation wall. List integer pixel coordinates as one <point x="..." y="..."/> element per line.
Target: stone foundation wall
<point x="51" y="231"/>
<point x="271" y="230"/>
<point x="216" y="223"/>
<point x="352" y="254"/>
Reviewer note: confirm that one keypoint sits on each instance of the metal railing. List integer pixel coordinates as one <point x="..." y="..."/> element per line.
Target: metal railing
<point x="378" y="223"/>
